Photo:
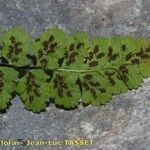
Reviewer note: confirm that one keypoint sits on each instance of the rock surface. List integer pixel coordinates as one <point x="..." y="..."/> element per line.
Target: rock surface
<point x="123" y="124"/>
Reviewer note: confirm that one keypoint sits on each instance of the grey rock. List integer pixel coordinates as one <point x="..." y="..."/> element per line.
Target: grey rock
<point x="123" y="124"/>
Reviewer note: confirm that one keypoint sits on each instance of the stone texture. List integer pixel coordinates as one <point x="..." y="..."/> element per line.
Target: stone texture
<point x="123" y="124"/>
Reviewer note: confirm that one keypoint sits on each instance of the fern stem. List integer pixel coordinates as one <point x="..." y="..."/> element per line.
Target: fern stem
<point x="42" y="68"/>
<point x="77" y="71"/>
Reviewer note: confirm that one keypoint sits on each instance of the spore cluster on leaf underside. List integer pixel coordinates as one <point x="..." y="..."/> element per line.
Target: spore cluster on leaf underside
<point x="69" y="70"/>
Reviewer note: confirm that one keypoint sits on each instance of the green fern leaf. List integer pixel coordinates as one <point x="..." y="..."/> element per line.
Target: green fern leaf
<point x="33" y="90"/>
<point x="70" y="69"/>
<point x="49" y="48"/>
<point x="7" y="86"/>
<point x="65" y="90"/>
<point x="16" y="45"/>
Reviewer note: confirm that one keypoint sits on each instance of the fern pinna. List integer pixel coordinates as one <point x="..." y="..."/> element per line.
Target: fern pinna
<point x="69" y="69"/>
